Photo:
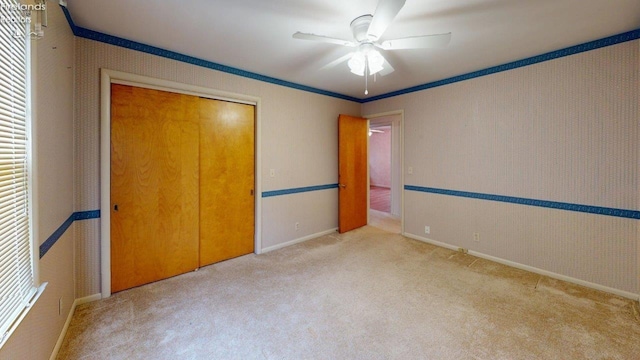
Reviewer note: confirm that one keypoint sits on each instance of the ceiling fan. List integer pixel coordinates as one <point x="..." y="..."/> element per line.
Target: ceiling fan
<point x="367" y="31"/>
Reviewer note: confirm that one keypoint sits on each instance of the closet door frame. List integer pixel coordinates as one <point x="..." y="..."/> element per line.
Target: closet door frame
<point x="108" y="77"/>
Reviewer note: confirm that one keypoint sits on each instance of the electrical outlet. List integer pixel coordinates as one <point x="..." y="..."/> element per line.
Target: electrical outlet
<point x="427" y="229"/>
<point x="272" y="172"/>
<point x="297" y="226"/>
<point x="476" y="237"/>
<point x="410" y="170"/>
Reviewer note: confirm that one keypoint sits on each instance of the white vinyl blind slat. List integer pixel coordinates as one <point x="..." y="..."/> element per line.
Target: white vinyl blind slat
<point x="8" y="188"/>
<point x="7" y="210"/>
<point x="9" y="105"/>
<point x="12" y="114"/>
<point x="8" y="49"/>
<point x="10" y="210"/>
<point x="16" y="267"/>
<point x="11" y="200"/>
<point x="10" y="71"/>
<point x="9" y="154"/>
<point x="9" y="289"/>
<point x="6" y="76"/>
<point x="5" y="254"/>
<point x="6" y="104"/>
<point x="12" y="308"/>
<point x="17" y="90"/>
<point x="10" y="194"/>
<point x="19" y="138"/>
<point x="11" y="183"/>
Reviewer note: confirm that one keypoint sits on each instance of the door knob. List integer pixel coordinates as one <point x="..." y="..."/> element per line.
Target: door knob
<point x="115" y="207"/>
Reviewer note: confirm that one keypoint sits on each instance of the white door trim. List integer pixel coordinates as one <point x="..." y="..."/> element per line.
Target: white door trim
<point x="397" y="156"/>
<point x="107" y="77"/>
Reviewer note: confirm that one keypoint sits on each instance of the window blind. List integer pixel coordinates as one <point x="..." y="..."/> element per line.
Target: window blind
<point x="16" y="262"/>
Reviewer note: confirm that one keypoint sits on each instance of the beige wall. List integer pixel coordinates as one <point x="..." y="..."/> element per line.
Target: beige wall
<point x="299" y="141"/>
<point x="52" y="88"/>
<point x="564" y="130"/>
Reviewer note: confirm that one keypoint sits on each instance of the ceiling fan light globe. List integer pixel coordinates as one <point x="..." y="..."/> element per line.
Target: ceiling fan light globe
<point x="358" y="72"/>
<point x="357" y="64"/>
<point x="375" y="62"/>
<point x="375" y="70"/>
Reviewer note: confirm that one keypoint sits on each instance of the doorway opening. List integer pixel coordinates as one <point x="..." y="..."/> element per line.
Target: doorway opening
<point x="385" y="172"/>
<point x="380" y="168"/>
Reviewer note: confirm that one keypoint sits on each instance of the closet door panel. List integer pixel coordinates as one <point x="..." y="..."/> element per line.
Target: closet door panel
<point x="227" y="167"/>
<point x="154" y="185"/>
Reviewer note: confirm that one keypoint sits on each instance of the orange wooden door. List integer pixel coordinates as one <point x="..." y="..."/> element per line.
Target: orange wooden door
<point x="227" y="168"/>
<point x="154" y="185"/>
<point x="353" y="172"/>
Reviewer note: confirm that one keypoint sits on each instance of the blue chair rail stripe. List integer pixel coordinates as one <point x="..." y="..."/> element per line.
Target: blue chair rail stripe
<point x="298" y="190"/>
<point x="84" y="215"/>
<point x="95" y="214"/>
<point x="51" y="240"/>
<point x="630" y="214"/>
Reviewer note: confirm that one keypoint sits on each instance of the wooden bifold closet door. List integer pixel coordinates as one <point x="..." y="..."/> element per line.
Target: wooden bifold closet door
<point x="182" y="180"/>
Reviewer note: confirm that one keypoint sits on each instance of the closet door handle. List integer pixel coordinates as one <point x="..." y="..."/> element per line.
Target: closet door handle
<point x="115" y="207"/>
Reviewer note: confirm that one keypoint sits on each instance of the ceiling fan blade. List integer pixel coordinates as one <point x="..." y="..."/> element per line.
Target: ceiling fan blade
<point x="417" y="42"/>
<point x="325" y="39"/>
<point x="337" y="61"/>
<point x="382" y="18"/>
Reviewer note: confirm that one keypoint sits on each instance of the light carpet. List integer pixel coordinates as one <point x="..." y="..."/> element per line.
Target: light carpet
<point x="367" y="294"/>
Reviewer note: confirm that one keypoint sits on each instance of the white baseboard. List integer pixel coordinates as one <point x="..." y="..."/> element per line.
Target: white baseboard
<point x="298" y="240"/>
<point x="87" y="299"/>
<point x="63" y="333"/>
<point x="532" y="269"/>
<point x="432" y="242"/>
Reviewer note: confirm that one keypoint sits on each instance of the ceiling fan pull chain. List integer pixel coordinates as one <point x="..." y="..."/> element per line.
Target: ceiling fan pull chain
<point x="366" y="80"/>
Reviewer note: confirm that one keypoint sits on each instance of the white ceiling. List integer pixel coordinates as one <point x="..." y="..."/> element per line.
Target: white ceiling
<point x="256" y="35"/>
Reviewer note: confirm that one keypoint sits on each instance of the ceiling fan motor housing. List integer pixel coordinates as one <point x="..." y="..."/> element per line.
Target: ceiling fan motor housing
<point x="360" y="27"/>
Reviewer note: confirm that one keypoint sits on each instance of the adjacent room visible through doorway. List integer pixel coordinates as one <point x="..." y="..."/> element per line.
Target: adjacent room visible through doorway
<point x="380" y="168"/>
<point x="382" y="212"/>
